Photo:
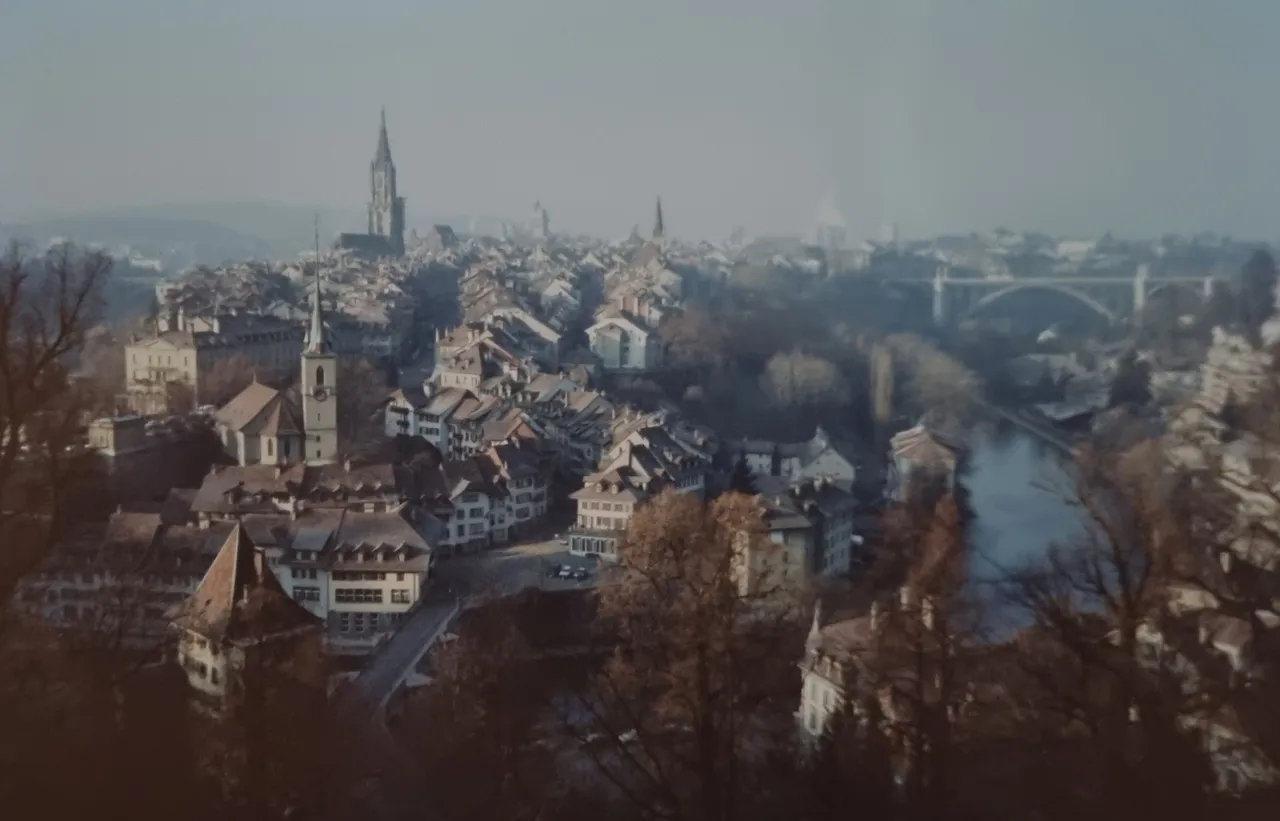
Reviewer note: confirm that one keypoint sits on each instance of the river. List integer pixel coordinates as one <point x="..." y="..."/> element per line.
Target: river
<point x="1016" y="486"/>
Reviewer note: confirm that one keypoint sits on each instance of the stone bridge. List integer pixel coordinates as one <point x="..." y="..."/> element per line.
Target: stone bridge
<point x="1113" y="298"/>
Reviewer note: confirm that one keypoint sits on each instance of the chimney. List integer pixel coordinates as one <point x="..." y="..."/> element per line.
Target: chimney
<point x="906" y="597"/>
<point x="346" y="465"/>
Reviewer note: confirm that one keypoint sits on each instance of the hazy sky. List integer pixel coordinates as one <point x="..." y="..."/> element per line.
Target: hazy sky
<point x="1072" y="116"/>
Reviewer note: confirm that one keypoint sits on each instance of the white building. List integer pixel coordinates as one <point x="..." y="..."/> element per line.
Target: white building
<point x="641" y="465"/>
<point x="920" y="455"/>
<point x="624" y="344"/>
<point x="359" y="573"/>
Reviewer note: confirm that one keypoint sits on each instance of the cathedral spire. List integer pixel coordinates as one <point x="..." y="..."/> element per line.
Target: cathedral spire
<point x="384" y="145"/>
<point x="658" y="230"/>
<point x="317" y="342"/>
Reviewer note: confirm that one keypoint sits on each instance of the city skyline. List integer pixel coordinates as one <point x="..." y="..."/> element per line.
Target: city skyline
<point x="1131" y="117"/>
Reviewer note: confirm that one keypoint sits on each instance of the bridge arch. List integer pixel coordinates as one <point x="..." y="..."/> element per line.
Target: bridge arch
<point x="1079" y="296"/>
<point x="1161" y="287"/>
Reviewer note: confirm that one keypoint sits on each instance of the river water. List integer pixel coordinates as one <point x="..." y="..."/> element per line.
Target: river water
<point x="1016" y="486"/>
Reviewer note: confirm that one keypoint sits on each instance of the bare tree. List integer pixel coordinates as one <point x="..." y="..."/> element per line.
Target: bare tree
<point x="934" y="379"/>
<point x="478" y="731"/>
<point x="1101" y="656"/>
<point x="798" y="379"/>
<point x="46" y="307"/>
<point x="102" y="368"/>
<point x="225" y="379"/>
<point x="694" y="338"/>
<point x="363" y="388"/>
<point x="689" y="713"/>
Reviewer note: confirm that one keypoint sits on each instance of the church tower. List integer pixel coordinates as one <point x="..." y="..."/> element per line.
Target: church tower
<point x="319" y="386"/>
<point x="659" y="230"/>
<point x="386" y="207"/>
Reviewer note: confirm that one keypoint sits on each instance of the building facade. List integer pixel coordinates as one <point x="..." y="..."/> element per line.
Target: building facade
<point x="186" y="351"/>
<point x="385" y="234"/>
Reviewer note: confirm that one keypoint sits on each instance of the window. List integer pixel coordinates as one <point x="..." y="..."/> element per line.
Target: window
<point x="320" y="376"/>
<point x="213" y="675"/>
<point x="400" y="596"/>
<point x="358" y="595"/>
<point x="462" y="531"/>
<point x="344" y="622"/>
<point x="270" y="447"/>
<point x="306" y="594"/>
<point x="477" y="529"/>
<point x="399" y="577"/>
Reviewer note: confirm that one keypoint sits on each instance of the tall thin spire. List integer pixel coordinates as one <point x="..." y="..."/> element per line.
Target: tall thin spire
<point x="658" y="231"/>
<point x="316" y="339"/>
<point x="384" y="145"/>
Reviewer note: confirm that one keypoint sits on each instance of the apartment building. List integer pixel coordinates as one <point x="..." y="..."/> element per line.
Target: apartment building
<point x="358" y="573"/>
<point x="451" y="419"/>
<point x="118" y="583"/>
<point x="634" y="470"/>
<point x="186" y="349"/>
<point x="809" y="527"/>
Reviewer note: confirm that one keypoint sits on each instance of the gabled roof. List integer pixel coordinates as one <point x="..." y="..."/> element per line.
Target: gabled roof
<point x="261" y="410"/>
<point x="411" y="396"/>
<point x="239" y="598"/>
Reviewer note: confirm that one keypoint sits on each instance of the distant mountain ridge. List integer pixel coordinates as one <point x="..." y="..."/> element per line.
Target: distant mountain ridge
<point x="210" y="233"/>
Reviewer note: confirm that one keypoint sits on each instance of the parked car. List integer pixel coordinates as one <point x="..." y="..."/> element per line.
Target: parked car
<point x="553" y="570"/>
<point x="581" y="574"/>
<point x="565" y="572"/>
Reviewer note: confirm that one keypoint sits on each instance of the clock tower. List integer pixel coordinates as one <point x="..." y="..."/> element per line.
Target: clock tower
<point x="319" y="387"/>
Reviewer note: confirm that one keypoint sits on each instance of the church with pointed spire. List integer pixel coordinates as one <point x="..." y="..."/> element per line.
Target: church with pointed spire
<point x="385" y="235"/>
<point x="263" y="425"/>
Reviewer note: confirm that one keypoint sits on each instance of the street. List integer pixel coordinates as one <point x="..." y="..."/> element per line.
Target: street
<point x="459" y="583"/>
<point x="394" y="660"/>
<point x="506" y="571"/>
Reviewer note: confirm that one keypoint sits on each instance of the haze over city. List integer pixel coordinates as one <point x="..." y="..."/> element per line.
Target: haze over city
<point x="1141" y="117"/>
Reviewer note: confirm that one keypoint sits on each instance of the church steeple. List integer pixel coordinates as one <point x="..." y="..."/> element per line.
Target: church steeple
<point x="658" y="230"/>
<point x="386" y="206"/>
<point x="317" y="339"/>
<point x="383" y="154"/>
